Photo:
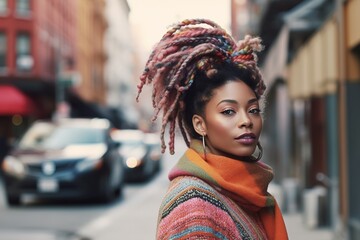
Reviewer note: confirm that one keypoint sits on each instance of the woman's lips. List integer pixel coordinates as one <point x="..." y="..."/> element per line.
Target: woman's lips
<point x="246" y="138"/>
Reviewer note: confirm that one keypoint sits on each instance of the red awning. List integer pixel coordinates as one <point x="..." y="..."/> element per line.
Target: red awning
<point x="13" y="101"/>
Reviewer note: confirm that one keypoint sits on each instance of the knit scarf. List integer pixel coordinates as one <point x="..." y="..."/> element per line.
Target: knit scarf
<point x="244" y="182"/>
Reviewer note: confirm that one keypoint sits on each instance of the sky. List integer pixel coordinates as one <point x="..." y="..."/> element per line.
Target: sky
<point x="151" y="18"/>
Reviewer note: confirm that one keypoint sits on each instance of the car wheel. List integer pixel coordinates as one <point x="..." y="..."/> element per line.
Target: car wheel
<point x="13" y="200"/>
<point x="119" y="190"/>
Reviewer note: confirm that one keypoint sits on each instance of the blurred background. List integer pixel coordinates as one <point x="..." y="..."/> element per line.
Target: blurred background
<point x="79" y="60"/>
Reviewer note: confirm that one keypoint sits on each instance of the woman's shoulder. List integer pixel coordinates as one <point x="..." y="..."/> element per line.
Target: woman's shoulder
<point x="190" y="185"/>
<point x="189" y="190"/>
<point x="189" y="181"/>
<point x="194" y="208"/>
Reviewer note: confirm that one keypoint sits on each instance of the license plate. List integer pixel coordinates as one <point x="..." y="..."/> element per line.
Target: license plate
<point x="48" y="185"/>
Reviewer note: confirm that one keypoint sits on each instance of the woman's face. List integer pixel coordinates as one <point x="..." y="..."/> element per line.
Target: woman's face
<point x="233" y="120"/>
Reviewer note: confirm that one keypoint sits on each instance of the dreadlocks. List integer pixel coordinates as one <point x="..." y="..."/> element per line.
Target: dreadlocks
<point x="189" y="50"/>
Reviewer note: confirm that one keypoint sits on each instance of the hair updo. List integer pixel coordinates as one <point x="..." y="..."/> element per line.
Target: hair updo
<point x="192" y="59"/>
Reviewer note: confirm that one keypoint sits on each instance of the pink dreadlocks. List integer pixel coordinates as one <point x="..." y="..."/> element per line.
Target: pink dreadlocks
<point x="189" y="47"/>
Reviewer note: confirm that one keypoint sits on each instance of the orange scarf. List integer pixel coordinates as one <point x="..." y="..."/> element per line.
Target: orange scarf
<point x="244" y="182"/>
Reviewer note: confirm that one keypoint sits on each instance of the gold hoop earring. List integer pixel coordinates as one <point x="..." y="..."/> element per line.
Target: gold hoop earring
<point x="260" y="152"/>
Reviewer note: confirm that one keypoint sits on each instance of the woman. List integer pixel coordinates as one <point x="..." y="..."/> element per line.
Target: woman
<point x="211" y="86"/>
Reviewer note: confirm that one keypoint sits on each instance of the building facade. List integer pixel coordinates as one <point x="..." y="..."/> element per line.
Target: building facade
<point x="35" y="37"/>
<point x="120" y="64"/>
<point x="52" y="62"/>
<point x="312" y="69"/>
<point x="90" y="53"/>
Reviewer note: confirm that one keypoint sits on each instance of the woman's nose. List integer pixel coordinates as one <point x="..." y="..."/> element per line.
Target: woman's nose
<point x="245" y="120"/>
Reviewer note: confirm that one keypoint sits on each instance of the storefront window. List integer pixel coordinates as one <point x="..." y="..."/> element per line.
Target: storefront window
<point x="24" y="60"/>
<point x="2" y="52"/>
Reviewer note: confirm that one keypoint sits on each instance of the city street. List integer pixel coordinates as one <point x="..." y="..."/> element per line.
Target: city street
<point x="132" y="217"/>
<point x="71" y="61"/>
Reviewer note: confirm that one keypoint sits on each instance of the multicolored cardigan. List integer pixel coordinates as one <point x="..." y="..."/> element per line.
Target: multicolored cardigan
<point x="203" y="203"/>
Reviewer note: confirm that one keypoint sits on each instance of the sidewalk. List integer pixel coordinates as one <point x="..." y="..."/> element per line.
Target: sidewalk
<point x="298" y="231"/>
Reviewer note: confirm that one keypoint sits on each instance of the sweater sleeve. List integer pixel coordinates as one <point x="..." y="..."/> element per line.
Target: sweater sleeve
<point x="194" y="212"/>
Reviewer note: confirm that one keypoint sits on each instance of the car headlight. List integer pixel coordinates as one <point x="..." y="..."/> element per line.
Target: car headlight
<point x="14" y="166"/>
<point x="133" y="162"/>
<point x="89" y="163"/>
<point x="133" y="156"/>
<point x="92" y="155"/>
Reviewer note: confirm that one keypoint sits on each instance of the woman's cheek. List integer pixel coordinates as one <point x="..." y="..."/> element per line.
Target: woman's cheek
<point x="222" y="127"/>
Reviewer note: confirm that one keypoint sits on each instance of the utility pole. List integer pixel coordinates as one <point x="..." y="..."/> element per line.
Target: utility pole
<point x="61" y="107"/>
<point x="343" y="158"/>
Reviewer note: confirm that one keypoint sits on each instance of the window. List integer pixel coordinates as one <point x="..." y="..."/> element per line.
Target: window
<point x="3" y="6"/>
<point x="24" y="60"/>
<point x="2" y="52"/>
<point x="23" y="7"/>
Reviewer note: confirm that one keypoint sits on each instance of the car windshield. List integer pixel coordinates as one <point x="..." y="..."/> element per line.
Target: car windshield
<point x="60" y="137"/>
<point x="130" y="143"/>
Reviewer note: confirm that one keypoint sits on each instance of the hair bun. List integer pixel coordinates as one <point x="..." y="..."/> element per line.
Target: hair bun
<point x="187" y="47"/>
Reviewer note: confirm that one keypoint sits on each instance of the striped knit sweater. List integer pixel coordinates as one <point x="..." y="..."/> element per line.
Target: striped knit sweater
<point x="202" y="202"/>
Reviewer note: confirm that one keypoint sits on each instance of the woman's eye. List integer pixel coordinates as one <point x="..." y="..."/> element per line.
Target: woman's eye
<point x="228" y="112"/>
<point x="255" y="111"/>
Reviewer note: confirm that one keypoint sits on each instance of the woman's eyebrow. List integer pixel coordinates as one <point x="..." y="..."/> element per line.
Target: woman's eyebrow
<point x="253" y="100"/>
<point x="228" y="101"/>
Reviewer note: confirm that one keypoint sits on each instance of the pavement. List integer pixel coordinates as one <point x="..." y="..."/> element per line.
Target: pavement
<point x="145" y="217"/>
<point x="297" y="229"/>
<point x="125" y="222"/>
<point x="294" y="222"/>
<point x="136" y="220"/>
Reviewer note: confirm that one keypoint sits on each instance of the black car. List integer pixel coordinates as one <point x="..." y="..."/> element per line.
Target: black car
<point x="73" y="158"/>
<point x="152" y="141"/>
<point x="140" y="151"/>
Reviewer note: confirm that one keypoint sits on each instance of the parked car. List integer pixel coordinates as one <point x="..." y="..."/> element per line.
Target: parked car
<point x="140" y="153"/>
<point x="73" y="158"/>
<point x="152" y="141"/>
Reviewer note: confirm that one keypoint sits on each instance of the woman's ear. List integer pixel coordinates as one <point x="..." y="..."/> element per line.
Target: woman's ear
<point x="199" y="125"/>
